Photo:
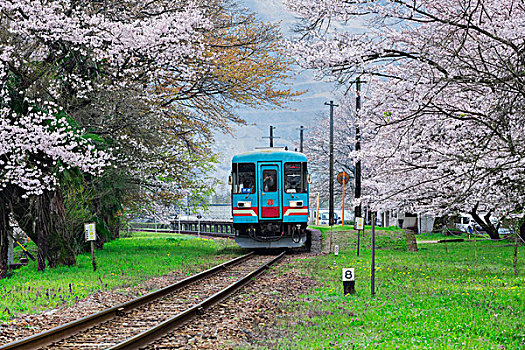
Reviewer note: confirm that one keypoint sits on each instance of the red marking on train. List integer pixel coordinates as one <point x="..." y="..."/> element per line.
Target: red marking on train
<point x="270" y="212"/>
<point x="269" y="202"/>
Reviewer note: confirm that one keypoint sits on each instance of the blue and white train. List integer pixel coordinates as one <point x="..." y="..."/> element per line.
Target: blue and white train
<point x="270" y="198"/>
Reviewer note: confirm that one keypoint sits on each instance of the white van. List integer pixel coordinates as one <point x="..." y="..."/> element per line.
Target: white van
<point x="324" y="215"/>
<point x="463" y="222"/>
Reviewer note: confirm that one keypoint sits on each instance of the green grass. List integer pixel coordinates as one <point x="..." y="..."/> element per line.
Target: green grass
<point x="122" y="263"/>
<point x="437" y="298"/>
<point x="339" y="228"/>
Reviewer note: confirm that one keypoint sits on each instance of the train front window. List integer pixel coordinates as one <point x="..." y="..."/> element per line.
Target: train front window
<point x="243" y="177"/>
<point x="295" y="177"/>
<point x="269" y="181"/>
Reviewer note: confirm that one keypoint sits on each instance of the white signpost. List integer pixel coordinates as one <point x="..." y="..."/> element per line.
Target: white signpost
<point x="349" y="280"/>
<point x="348" y="274"/>
<point x="91" y="233"/>
<point x="359" y="223"/>
<point x="91" y="236"/>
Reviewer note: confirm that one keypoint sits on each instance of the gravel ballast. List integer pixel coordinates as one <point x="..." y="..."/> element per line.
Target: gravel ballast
<point x="246" y="320"/>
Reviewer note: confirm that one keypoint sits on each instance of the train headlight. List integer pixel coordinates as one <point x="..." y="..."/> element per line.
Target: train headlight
<point x="296" y="204"/>
<point x="244" y="204"/>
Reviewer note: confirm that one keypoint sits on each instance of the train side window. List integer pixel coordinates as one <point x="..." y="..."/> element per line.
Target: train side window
<point x="243" y="177"/>
<point x="270" y="181"/>
<point x="295" y="177"/>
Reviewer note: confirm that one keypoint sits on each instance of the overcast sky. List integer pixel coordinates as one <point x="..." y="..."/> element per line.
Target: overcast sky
<point x="287" y="121"/>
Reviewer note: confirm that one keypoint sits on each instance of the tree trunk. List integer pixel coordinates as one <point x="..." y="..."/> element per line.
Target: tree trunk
<point x="411" y="240"/>
<point x="116" y="230"/>
<point x="63" y="236"/>
<point x="485" y="224"/>
<point x="4" y="239"/>
<point x="114" y="226"/>
<point x="521" y="231"/>
<point x="42" y="218"/>
<point x="41" y="233"/>
<point x="101" y="238"/>
<point x="516" y="254"/>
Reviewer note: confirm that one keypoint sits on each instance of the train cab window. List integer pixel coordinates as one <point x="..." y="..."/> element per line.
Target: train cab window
<point x="270" y="181"/>
<point x="243" y="177"/>
<point x="295" y="177"/>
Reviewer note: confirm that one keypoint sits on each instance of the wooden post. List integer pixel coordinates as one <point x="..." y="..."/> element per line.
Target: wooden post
<point x="516" y="252"/>
<point x="358" y="242"/>
<point x="91" y="236"/>
<point x="373" y="267"/>
<point x="359" y="225"/>
<point x="343" y="223"/>
<point x="317" y="216"/>
<point x="331" y="237"/>
<point x="349" y="287"/>
<point x="93" y="262"/>
<point x="10" y="242"/>
<point x="475" y="247"/>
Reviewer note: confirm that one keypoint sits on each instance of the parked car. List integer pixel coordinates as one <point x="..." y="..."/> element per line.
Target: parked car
<point x="504" y="231"/>
<point x="477" y="226"/>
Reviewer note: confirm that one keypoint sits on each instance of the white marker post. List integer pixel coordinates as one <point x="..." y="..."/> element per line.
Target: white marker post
<point x="349" y="281"/>
<point x="199" y="226"/>
<point x="91" y="236"/>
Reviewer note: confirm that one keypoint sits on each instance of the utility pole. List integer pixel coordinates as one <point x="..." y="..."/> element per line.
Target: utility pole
<point x="331" y="202"/>
<point x="271" y="135"/>
<point x="301" y="139"/>
<point x="357" y="194"/>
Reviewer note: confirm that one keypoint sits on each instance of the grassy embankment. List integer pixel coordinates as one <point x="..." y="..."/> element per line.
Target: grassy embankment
<point x="437" y="298"/>
<point x="122" y="263"/>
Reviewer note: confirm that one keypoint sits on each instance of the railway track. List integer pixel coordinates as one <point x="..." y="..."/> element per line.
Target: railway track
<point x="140" y="321"/>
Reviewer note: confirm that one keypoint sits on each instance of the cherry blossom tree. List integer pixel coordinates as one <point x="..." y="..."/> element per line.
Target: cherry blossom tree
<point x="60" y="58"/>
<point x="131" y="88"/>
<point x="443" y="122"/>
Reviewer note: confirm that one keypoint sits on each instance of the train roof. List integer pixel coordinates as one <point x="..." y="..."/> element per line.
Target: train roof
<point x="269" y="154"/>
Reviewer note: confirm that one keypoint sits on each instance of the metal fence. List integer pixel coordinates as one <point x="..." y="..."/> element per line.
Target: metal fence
<point x="217" y="228"/>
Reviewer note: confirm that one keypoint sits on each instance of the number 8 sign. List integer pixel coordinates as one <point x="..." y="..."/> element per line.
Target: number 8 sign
<point x="348" y="275"/>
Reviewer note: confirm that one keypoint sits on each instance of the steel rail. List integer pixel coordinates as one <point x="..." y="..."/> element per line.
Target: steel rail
<point x="167" y="326"/>
<point x="58" y="333"/>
